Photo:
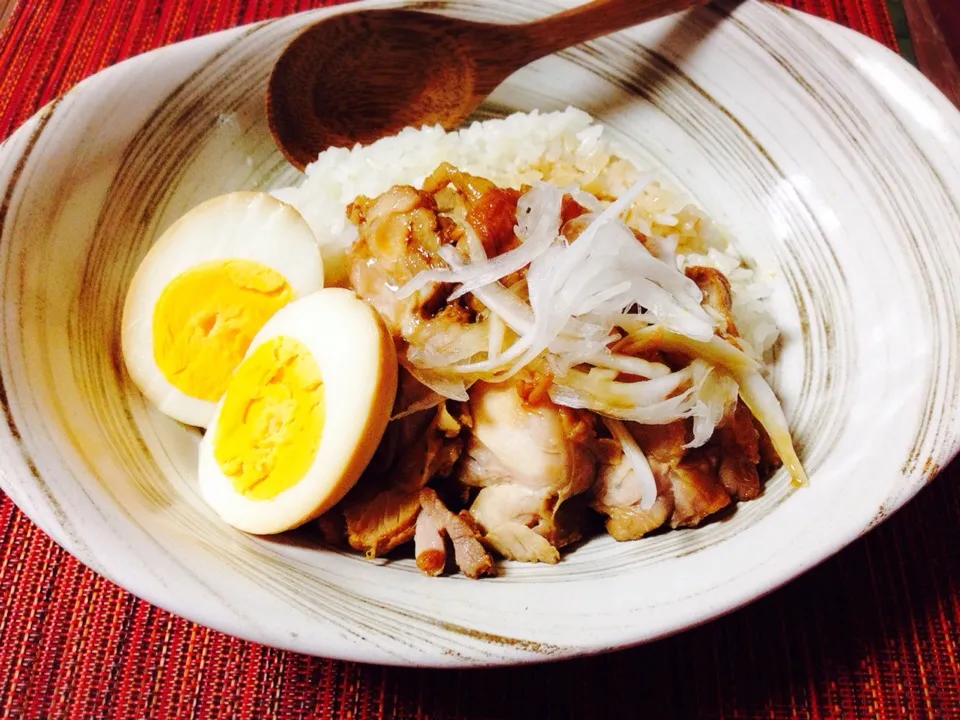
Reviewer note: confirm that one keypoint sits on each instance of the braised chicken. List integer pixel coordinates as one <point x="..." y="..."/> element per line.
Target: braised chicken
<point x="429" y="548"/>
<point x="491" y="211"/>
<point x="738" y="454"/>
<point x="469" y="554"/>
<point x="400" y="233"/>
<point x="507" y="469"/>
<point x="528" y="460"/>
<point x="617" y="495"/>
<point x="692" y="484"/>
<point x="381" y="511"/>
<point x="717" y="298"/>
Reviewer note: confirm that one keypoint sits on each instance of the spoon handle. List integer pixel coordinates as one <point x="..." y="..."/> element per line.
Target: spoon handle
<point x="595" y="19"/>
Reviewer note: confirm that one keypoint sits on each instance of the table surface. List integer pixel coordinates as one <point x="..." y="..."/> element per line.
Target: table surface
<point x="873" y="632"/>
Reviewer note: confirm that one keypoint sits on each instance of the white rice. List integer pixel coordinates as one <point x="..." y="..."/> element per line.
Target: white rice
<point x="563" y="148"/>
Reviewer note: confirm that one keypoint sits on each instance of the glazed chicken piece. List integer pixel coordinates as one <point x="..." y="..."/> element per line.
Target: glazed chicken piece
<point x="429" y="548"/>
<point x="529" y="461"/>
<point x="717" y="299"/>
<point x="399" y="235"/>
<point x="509" y="515"/>
<point x="738" y="451"/>
<point x="490" y="210"/>
<point x="692" y="484"/>
<point x="632" y="523"/>
<point x="687" y="487"/>
<point x="381" y="511"/>
<point x="469" y="554"/>
<point x="617" y="495"/>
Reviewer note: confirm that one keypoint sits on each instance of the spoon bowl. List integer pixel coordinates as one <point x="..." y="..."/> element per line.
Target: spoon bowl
<point x="360" y="76"/>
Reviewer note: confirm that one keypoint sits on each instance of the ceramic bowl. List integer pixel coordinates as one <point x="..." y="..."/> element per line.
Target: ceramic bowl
<point x="834" y="164"/>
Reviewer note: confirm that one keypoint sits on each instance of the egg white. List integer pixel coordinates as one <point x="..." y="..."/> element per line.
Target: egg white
<point x="241" y="225"/>
<point x="358" y="367"/>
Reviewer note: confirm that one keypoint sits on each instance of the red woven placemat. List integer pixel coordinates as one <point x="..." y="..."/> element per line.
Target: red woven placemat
<point x="872" y="633"/>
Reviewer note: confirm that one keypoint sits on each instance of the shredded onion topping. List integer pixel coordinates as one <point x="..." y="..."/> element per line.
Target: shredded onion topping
<point x="580" y="297"/>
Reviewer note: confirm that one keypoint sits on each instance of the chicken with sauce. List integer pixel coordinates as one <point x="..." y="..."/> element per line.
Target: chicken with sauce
<point x="503" y="467"/>
<point x="529" y="460"/>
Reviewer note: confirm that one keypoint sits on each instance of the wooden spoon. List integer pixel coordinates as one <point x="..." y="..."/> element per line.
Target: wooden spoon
<point x="359" y="76"/>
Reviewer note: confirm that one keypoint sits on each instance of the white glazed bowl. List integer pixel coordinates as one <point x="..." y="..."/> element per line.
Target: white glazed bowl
<point x="834" y="164"/>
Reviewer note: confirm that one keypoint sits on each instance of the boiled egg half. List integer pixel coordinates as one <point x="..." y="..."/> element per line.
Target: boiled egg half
<point x="205" y="289"/>
<point x="302" y="415"/>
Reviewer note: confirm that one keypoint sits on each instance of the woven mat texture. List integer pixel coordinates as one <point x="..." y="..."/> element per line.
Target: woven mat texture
<point x="872" y="633"/>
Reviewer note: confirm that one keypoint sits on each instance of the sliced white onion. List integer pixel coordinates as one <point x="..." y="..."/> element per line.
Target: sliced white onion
<point x="548" y="325"/>
<point x="582" y="197"/>
<point x="474" y="243"/>
<point x="633" y="454"/>
<point x="627" y="364"/>
<point x="427" y="403"/>
<point x="539" y="209"/>
<point x="625" y="394"/>
<point x="763" y="403"/>
<point x="623" y="203"/>
<point x="497" y="334"/>
<point x="716" y="350"/>
<point x="498" y="299"/>
<point x="716" y="393"/>
<point x="662" y="413"/>
<point x="664" y="249"/>
<point x="568" y="281"/>
<point x="453" y="344"/>
<point x="754" y="390"/>
<point x="452" y="389"/>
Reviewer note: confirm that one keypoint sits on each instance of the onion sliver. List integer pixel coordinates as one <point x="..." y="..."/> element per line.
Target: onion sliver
<point x="633" y="454"/>
<point x="754" y="390"/>
<point x="452" y="389"/>
<point x="626" y="394"/>
<point x="662" y="413"/>
<point x="716" y="393"/>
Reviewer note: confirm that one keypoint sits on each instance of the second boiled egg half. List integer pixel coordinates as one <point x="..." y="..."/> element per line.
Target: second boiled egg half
<point x="204" y="291"/>
<point x="301" y="416"/>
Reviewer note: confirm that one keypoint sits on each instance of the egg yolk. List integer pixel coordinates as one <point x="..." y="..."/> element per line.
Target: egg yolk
<point x="271" y="419"/>
<point x="205" y="319"/>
